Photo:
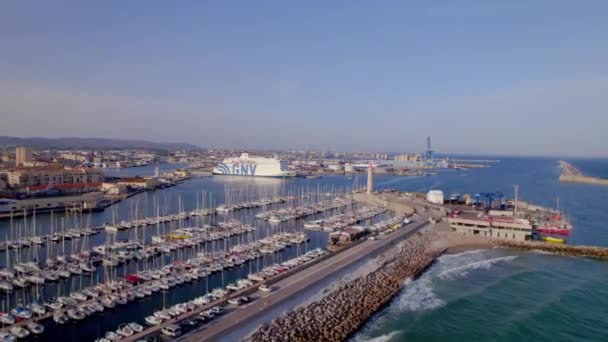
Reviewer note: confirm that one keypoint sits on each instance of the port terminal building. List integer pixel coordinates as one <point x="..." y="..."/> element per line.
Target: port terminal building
<point x="494" y="224"/>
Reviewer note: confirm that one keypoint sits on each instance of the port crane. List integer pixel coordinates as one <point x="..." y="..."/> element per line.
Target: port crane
<point x="488" y="198"/>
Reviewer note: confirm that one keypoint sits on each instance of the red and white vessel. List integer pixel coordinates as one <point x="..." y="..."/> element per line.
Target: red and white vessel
<point x="557" y="224"/>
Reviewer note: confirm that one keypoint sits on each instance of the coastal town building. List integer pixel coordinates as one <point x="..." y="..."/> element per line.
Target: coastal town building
<point x="139" y="182"/>
<point x="23" y="155"/>
<point x="414" y="158"/>
<point x="52" y="176"/>
<point x="80" y="157"/>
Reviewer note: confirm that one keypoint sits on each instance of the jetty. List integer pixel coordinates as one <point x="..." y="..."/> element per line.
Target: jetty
<point x="573" y="175"/>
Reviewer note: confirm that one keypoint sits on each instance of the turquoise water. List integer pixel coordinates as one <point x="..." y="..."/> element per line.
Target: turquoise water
<point x="499" y="295"/>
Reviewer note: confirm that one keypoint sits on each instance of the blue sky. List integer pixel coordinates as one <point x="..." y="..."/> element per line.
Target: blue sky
<point x="506" y="77"/>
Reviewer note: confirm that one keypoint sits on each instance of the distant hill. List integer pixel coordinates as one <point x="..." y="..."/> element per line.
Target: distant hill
<point x="92" y="143"/>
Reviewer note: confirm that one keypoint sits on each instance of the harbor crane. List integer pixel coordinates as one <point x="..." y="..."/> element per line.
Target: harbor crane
<point x="429" y="150"/>
<point x="488" y="198"/>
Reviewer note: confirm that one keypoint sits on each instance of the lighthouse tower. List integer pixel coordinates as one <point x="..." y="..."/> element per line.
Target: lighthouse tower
<point x="370" y="179"/>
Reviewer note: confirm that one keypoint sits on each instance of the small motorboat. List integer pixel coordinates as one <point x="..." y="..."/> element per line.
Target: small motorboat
<point x="108" y="302"/>
<point x="124" y="330"/>
<point x="112" y="336"/>
<point x="20" y="282"/>
<point x="553" y="240"/>
<point x="6" y="318"/>
<point x="87" y="309"/>
<point x="163" y="315"/>
<point x="7" y="337"/>
<point x="264" y="288"/>
<point x="97" y="306"/>
<point x="120" y="300"/>
<point x="153" y="320"/>
<point x="136" y="327"/>
<point x="76" y="314"/>
<point x="37" y="308"/>
<point x="79" y="296"/>
<point x="234" y="301"/>
<point x="19" y="332"/>
<point x="91" y="293"/>
<point x="53" y="304"/>
<point x="60" y="318"/>
<point x="21" y="312"/>
<point x="35" y="328"/>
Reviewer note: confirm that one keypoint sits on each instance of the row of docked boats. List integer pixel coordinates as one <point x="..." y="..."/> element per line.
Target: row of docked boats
<point x="186" y="215"/>
<point x="226" y="208"/>
<point x="27" y="242"/>
<point x="21" y="332"/>
<point x="24" y="274"/>
<point x="155" y="220"/>
<point x="286" y="214"/>
<point x="211" y="299"/>
<point x="87" y="301"/>
<point x="339" y="221"/>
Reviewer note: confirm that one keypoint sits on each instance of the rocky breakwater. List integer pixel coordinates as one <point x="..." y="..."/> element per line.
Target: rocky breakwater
<point x="342" y="311"/>
<point x="456" y="243"/>
<point x="579" y="251"/>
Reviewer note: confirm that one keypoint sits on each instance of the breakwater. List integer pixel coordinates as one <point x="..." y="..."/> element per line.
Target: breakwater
<point x="578" y="251"/>
<point x="573" y="175"/>
<point x="340" y="313"/>
<point x="456" y="243"/>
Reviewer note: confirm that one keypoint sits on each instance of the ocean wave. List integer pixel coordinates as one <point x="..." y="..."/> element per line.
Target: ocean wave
<point x="463" y="270"/>
<point x="461" y="255"/>
<point x="418" y="295"/>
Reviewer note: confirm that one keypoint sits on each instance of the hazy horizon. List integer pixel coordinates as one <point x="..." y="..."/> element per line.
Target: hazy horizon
<point x="481" y="78"/>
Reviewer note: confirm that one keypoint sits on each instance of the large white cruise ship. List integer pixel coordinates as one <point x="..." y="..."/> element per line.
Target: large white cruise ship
<point x="253" y="167"/>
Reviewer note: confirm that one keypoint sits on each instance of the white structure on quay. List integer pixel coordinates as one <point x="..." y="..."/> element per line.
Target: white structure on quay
<point x="435" y="197"/>
<point x="494" y="224"/>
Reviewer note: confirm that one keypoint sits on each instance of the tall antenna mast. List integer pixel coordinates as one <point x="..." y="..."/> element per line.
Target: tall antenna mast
<point x="516" y="187"/>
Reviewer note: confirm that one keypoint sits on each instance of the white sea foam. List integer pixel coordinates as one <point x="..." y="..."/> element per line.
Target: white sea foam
<point x="463" y="270"/>
<point x="419" y="295"/>
<point x="383" y="338"/>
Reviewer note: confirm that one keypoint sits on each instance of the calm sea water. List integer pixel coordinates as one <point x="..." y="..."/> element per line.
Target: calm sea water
<point x="489" y="295"/>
